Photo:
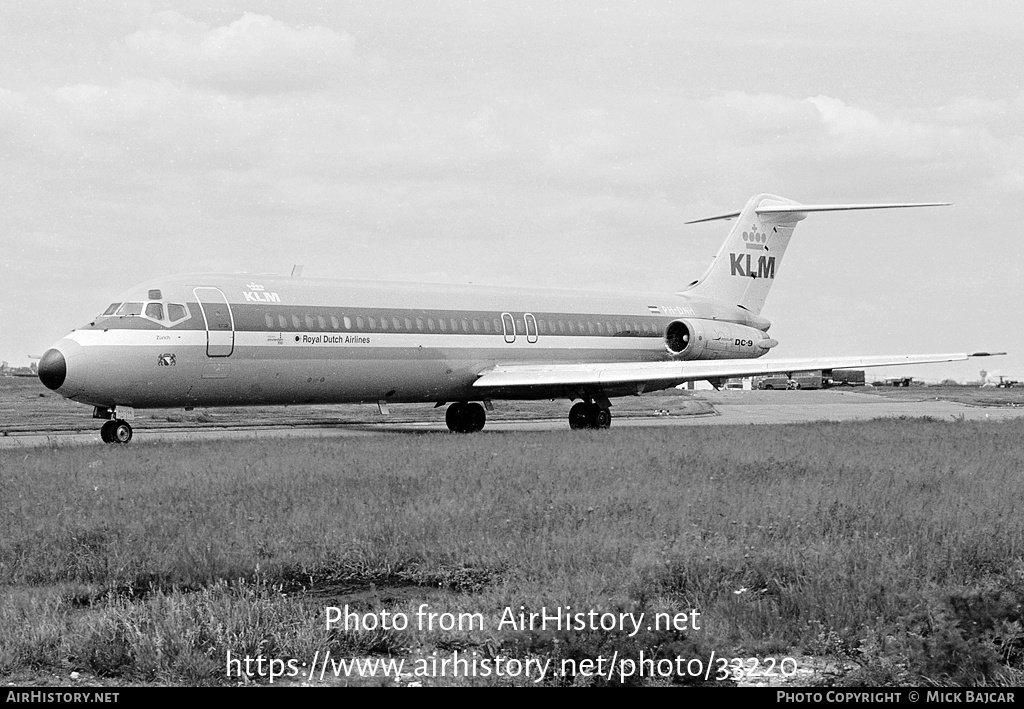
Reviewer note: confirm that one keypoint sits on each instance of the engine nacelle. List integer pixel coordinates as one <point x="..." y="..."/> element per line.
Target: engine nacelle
<point x="711" y="339"/>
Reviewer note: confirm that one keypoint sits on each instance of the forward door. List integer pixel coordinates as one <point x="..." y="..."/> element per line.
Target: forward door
<point x="220" y="324"/>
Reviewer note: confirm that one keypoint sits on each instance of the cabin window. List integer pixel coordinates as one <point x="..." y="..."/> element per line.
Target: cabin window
<point x="334" y="322"/>
<point x="430" y="324"/>
<point x="268" y="317"/>
<point x="476" y="325"/>
<point x="443" y="324"/>
<point x="309" y="322"/>
<point x="373" y="322"/>
<point x="176" y="312"/>
<point x="321" y="322"/>
<point x="383" y="323"/>
<point x="296" y="324"/>
<point x="455" y="325"/>
<point x="408" y="325"/>
<point x="130" y="309"/>
<point x="465" y="325"/>
<point x="497" y="326"/>
<point x="111" y="309"/>
<point x="519" y="325"/>
<point x="487" y="325"/>
<point x="282" y="322"/>
<point x="359" y="322"/>
<point x="348" y="322"/>
<point x="419" y="324"/>
<point x="155" y="311"/>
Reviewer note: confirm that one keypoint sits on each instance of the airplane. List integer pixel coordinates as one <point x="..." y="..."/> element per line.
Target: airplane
<point x="237" y="339"/>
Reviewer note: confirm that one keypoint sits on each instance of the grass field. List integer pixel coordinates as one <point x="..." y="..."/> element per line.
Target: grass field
<point x="966" y="394"/>
<point x="892" y="548"/>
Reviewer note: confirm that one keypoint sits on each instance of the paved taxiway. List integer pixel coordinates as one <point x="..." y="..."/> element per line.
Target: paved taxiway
<point x="731" y="408"/>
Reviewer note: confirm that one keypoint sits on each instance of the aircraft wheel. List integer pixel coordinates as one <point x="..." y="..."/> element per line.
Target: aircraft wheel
<point x="465" y="418"/>
<point x="105" y="431"/>
<point x="579" y="416"/>
<point x="120" y="432"/>
<point x="455" y="418"/>
<point x="600" y="417"/>
<point x="475" y="417"/>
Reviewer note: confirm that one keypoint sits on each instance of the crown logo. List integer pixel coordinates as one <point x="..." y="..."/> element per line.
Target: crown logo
<point x="756" y="240"/>
<point x="253" y="286"/>
<point x="755" y="237"/>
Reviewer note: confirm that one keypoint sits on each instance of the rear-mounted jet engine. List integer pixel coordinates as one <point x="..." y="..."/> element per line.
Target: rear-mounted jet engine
<point x="710" y="339"/>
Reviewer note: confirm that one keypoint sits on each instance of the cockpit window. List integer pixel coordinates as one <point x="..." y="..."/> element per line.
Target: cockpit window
<point x="130" y="309"/>
<point x="176" y="312"/>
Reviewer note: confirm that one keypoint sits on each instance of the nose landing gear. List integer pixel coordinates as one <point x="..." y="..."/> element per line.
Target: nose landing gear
<point x="116" y="431"/>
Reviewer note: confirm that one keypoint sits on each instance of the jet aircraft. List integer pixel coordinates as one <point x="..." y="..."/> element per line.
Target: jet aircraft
<point x="237" y="339"/>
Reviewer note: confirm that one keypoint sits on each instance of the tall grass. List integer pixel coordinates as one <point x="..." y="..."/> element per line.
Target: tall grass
<point x="871" y="539"/>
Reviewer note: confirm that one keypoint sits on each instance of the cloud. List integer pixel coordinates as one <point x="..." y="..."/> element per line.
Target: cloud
<point x="255" y="53"/>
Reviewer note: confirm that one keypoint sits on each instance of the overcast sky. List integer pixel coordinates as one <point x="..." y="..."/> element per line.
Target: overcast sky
<point x="532" y="143"/>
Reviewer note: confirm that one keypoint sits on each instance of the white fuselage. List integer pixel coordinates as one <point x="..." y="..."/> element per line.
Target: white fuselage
<point x="250" y="340"/>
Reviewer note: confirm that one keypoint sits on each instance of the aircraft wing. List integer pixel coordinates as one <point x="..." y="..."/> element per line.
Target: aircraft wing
<point x="619" y="374"/>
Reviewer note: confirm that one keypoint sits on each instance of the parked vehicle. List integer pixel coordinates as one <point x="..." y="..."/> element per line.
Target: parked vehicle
<point x="847" y="377"/>
<point x="776" y="382"/>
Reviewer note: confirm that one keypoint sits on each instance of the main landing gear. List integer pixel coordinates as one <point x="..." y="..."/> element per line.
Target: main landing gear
<point x="584" y="415"/>
<point x="116" y="431"/>
<point x="465" y="417"/>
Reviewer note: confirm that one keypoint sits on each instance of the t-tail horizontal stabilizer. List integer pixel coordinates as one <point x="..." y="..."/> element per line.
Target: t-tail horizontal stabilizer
<point x="806" y="208"/>
<point x="749" y="260"/>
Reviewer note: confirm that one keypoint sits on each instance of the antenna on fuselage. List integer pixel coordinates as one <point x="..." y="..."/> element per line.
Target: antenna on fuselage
<point x="296" y="270"/>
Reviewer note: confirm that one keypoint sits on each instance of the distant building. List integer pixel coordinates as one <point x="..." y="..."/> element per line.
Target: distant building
<point x="6" y="370"/>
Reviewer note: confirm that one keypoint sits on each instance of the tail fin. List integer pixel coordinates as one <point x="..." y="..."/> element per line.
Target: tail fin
<point x="746" y="265"/>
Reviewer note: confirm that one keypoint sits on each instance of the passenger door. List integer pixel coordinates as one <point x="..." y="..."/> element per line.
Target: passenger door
<point x="220" y="324"/>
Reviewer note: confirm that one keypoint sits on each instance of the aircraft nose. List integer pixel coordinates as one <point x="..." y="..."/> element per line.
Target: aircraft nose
<point x="53" y="369"/>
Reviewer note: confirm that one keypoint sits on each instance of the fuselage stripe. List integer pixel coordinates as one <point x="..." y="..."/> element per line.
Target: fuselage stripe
<point x="285" y="318"/>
